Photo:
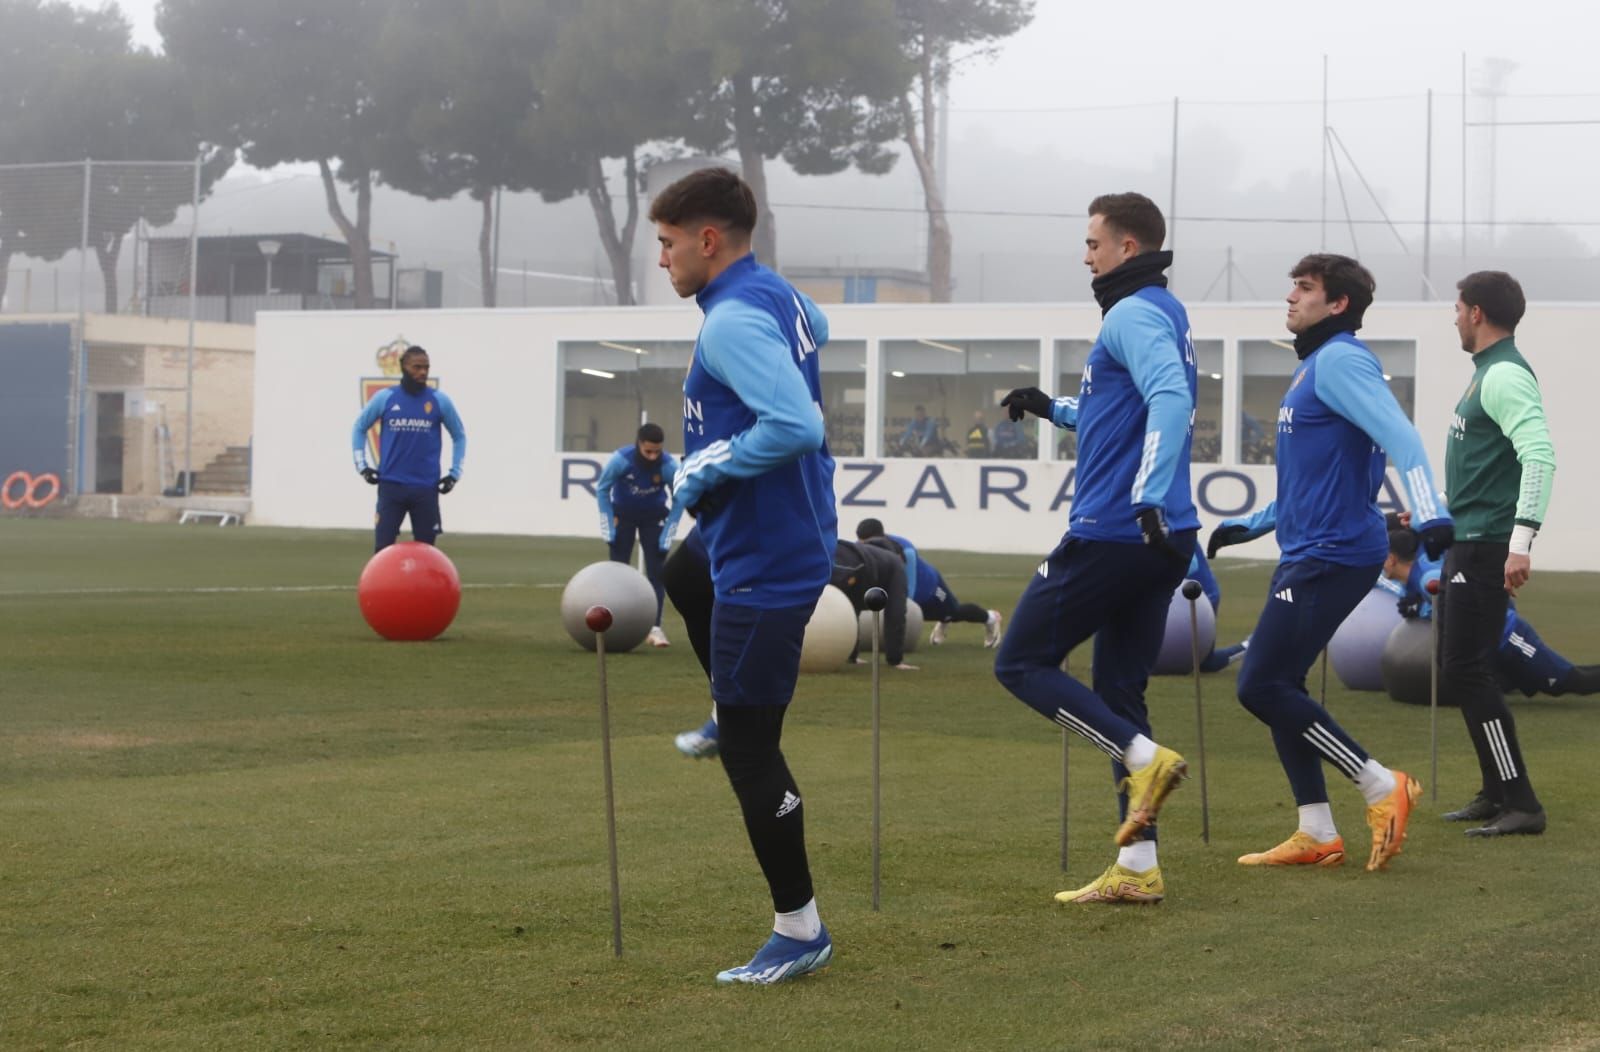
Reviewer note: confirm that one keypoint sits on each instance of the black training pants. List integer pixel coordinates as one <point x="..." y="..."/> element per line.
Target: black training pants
<point x="1471" y="618"/>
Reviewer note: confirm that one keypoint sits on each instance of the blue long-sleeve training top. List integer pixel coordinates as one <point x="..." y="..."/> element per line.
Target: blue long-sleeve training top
<point x="913" y="563"/>
<point x="754" y="443"/>
<point x="410" y="439"/>
<point x="1200" y="571"/>
<point x="635" y="488"/>
<point x="1337" y="425"/>
<point x="1134" y="416"/>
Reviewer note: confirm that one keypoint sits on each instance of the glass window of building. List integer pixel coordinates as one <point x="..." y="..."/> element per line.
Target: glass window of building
<point x="1207" y="445"/>
<point x="610" y="387"/>
<point x="1399" y="361"/>
<point x="844" y="396"/>
<point x="1071" y="355"/>
<point x="941" y="398"/>
<point x="1267" y="366"/>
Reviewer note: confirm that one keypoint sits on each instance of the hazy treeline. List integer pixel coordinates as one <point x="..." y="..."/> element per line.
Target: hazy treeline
<point x="476" y="97"/>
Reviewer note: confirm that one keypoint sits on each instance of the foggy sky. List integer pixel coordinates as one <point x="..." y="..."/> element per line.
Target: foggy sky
<point x="1078" y="103"/>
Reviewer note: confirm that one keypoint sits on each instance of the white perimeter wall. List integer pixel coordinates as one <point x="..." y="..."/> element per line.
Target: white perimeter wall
<point x="502" y="369"/>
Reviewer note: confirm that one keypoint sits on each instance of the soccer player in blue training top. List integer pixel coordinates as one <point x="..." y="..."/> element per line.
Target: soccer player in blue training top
<point x="1129" y="538"/>
<point x="1523" y="662"/>
<point x="938" y="603"/>
<point x="632" y="494"/>
<point x="1335" y="423"/>
<point x="409" y="418"/>
<point x="758" y="477"/>
<point x="856" y="569"/>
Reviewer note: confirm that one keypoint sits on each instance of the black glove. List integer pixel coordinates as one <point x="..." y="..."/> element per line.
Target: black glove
<point x="1435" y="539"/>
<point x="1409" y="605"/>
<point x="1026" y="399"/>
<point x="1223" y="536"/>
<point x="1153" y="525"/>
<point x="371" y="475"/>
<point x="447" y="484"/>
<point x="709" y="504"/>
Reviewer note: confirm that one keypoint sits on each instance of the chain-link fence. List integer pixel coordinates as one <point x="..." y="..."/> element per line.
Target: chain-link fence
<point x="105" y="406"/>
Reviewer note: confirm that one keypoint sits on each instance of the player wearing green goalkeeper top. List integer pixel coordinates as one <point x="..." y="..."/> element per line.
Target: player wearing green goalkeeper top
<point x="1499" y="466"/>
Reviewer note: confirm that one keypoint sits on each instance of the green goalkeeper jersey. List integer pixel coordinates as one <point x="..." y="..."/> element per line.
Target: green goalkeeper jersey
<point x="1499" y="463"/>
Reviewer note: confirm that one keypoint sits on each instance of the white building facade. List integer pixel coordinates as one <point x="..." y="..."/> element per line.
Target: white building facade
<point x="546" y="395"/>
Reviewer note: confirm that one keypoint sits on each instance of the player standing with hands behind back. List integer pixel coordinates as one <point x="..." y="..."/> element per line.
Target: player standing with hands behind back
<point x="1130" y="537"/>
<point x="758" y="476"/>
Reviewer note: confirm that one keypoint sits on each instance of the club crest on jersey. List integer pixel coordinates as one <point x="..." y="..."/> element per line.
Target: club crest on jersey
<point x="1299" y="376"/>
<point x="388" y="359"/>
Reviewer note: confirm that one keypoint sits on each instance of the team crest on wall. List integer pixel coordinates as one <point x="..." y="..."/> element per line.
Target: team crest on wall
<point x="388" y="359"/>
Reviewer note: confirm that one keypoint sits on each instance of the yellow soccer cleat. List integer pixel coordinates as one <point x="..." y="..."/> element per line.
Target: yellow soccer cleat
<point x="1302" y="849"/>
<point x="1388" y="820"/>
<point x="1117" y="884"/>
<point x="1146" y="789"/>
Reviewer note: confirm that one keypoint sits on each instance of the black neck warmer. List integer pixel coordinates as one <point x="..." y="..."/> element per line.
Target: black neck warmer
<point x="1322" y="332"/>
<point x="1134" y="274"/>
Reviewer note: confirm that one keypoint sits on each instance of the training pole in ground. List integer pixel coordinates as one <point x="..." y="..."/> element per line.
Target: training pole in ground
<point x="1433" y="693"/>
<point x="1191" y="592"/>
<point x="1066" y="736"/>
<point x="598" y="618"/>
<point x="875" y="600"/>
<point x="1324" y="677"/>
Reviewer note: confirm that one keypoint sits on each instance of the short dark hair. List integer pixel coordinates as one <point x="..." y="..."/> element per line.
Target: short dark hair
<point x="1134" y="215"/>
<point x="412" y="352"/>
<point x="1403" y="543"/>
<point x="1342" y="278"/>
<point x="1497" y="294"/>
<point x="714" y="195"/>
<point x="867" y="529"/>
<point x="651" y="433"/>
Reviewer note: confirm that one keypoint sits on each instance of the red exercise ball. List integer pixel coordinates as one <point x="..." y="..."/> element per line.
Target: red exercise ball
<point x="409" y="591"/>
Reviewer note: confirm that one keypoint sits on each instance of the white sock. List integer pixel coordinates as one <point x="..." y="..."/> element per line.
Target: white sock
<point x="1138" y="753"/>
<point x="1138" y="856"/>
<point x="1375" y="782"/>
<point x="1316" y="821"/>
<point x="713" y="713"/>
<point x="803" y="924"/>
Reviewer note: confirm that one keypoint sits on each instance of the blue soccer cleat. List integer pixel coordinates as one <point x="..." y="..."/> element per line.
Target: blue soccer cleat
<point x="782" y="959"/>
<point x="698" y="744"/>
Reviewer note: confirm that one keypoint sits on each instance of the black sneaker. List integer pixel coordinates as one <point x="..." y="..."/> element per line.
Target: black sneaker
<point x="1480" y="809"/>
<point x="1513" y="823"/>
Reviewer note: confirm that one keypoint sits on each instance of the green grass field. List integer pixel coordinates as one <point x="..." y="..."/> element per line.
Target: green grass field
<point x="230" y="816"/>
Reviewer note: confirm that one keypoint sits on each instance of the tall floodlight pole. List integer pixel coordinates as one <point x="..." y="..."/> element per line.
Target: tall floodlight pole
<point x="1323" y="244"/>
<point x="1463" y="155"/>
<point x="1427" y="203"/>
<point x="188" y="366"/>
<point x="1172" y="198"/>
<point x="83" y="346"/>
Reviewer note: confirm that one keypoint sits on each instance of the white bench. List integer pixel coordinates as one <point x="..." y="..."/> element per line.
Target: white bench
<point x="224" y="518"/>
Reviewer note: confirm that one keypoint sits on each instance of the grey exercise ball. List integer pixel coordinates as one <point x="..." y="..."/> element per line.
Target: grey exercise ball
<point x="628" y="594"/>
